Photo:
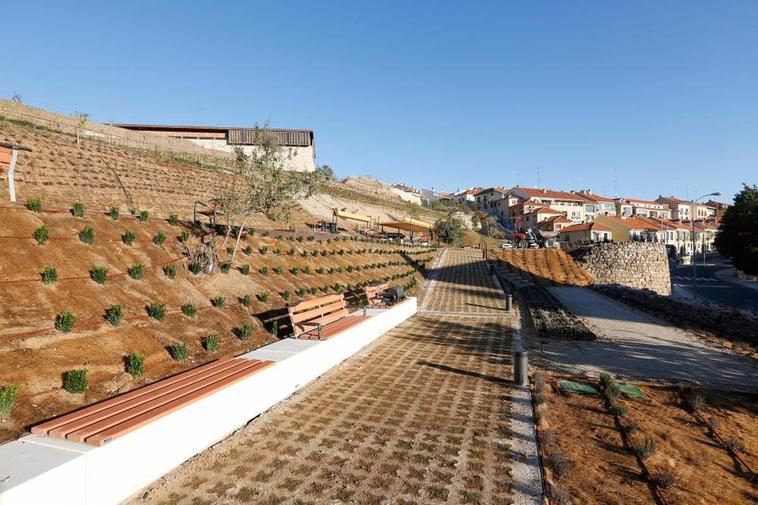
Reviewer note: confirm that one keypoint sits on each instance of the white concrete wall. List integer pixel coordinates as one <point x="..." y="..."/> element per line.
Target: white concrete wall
<point x="408" y="197"/>
<point x="303" y="158"/>
<point x="41" y="470"/>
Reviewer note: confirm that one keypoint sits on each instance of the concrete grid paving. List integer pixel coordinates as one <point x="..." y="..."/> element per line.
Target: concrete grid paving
<point x="421" y="416"/>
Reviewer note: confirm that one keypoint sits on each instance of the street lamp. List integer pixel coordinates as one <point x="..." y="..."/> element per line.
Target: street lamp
<point x="692" y="221"/>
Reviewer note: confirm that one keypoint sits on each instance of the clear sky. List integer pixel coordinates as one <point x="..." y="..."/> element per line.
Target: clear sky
<point x="634" y="98"/>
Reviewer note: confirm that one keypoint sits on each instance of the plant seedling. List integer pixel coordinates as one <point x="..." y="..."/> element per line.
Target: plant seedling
<point x="49" y="275"/>
<point x="99" y="274"/>
<point x="75" y="381"/>
<point x="34" y="204"/>
<point x="87" y="235"/>
<point x="41" y="234"/>
<point x="189" y="310"/>
<point x="157" y="310"/>
<point x="178" y="351"/>
<point x="77" y="210"/>
<point x="113" y="315"/>
<point x="210" y="343"/>
<point x="135" y="364"/>
<point x="169" y="271"/>
<point x="128" y="237"/>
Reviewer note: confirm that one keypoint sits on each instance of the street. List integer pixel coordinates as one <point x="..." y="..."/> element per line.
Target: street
<point x="713" y="289"/>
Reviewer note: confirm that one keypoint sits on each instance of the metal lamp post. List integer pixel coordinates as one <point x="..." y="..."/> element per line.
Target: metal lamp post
<point x="692" y="222"/>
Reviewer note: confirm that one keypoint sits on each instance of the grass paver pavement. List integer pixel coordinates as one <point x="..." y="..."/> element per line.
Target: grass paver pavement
<point x="419" y="417"/>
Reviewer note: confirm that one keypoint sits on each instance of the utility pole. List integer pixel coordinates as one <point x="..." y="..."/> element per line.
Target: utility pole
<point x="692" y="222"/>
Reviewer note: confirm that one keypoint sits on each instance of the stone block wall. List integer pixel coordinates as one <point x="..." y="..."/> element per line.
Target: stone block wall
<point x="633" y="264"/>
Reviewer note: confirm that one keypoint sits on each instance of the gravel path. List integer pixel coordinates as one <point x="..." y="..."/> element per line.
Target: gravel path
<point x="635" y="344"/>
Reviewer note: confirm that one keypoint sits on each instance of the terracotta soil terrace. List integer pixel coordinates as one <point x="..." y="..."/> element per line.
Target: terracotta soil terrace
<point x="545" y="266"/>
<point x="421" y="416"/>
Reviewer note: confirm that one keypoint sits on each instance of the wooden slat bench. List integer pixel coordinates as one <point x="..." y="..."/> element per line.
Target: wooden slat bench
<point x="321" y="317"/>
<point x="372" y="295"/>
<point x="101" y="422"/>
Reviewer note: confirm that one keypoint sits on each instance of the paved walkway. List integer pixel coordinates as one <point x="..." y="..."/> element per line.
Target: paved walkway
<point x="635" y="344"/>
<point x="421" y="416"/>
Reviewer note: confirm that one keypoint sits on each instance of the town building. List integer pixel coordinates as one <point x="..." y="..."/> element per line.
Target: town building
<point x="406" y="193"/>
<point x="571" y="205"/>
<point x="486" y="198"/>
<point x="596" y="205"/>
<point x="300" y="144"/>
<point x="584" y="233"/>
<point x="644" y="208"/>
<point x="466" y="196"/>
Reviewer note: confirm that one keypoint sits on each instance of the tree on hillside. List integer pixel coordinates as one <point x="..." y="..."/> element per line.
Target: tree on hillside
<point x="737" y="236"/>
<point x="448" y="229"/>
<point x="261" y="185"/>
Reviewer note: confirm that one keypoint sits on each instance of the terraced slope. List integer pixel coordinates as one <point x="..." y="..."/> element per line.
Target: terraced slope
<point x="545" y="266"/>
<point x="274" y="269"/>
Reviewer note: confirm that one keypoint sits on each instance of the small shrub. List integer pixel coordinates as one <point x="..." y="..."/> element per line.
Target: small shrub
<point x="99" y="274"/>
<point x="218" y="301"/>
<point x="157" y="310"/>
<point x="278" y="270"/>
<point x="75" y="381"/>
<point x="285" y="295"/>
<point x="264" y="271"/>
<point x="307" y="270"/>
<point x="246" y="300"/>
<point x="210" y="343"/>
<point x="113" y="315"/>
<point x="184" y="237"/>
<point x="665" y="478"/>
<point x="178" y="351"/>
<point x="263" y="250"/>
<point x="244" y="332"/>
<point x="301" y="292"/>
<point x="64" y="321"/>
<point x="263" y="297"/>
<point x="248" y="249"/>
<point x="225" y="267"/>
<point x="734" y="444"/>
<point x="41" y="234"/>
<point x="547" y="439"/>
<point x="128" y="237"/>
<point x="304" y="254"/>
<point x="644" y="449"/>
<point x="313" y="290"/>
<point x="299" y="238"/>
<point x="539" y="381"/>
<point x="87" y="235"/>
<point x="195" y="266"/>
<point x="275" y="328"/>
<point x="230" y="250"/>
<point x="294" y="271"/>
<point x="278" y="251"/>
<point x="8" y="396"/>
<point x="34" y="204"/>
<point x="557" y="494"/>
<point x="189" y="310"/>
<point x="559" y="465"/>
<point x="320" y="270"/>
<point x="136" y="271"/>
<point x="49" y="275"/>
<point x="169" y="271"/>
<point x="245" y="269"/>
<point x="143" y="216"/>
<point x="173" y="220"/>
<point x="696" y="400"/>
<point x="113" y="213"/>
<point x="540" y="398"/>
<point x="629" y="428"/>
<point x="77" y="210"/>
<point x="135" y="364"/>
<point x="291" y="252"/>
<point x="617" y="409"/>
<point x="265" y="234"/>
<point x="159" y="238"/>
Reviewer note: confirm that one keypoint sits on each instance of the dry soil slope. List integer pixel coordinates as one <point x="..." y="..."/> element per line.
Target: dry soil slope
<point x="546" y="266"/>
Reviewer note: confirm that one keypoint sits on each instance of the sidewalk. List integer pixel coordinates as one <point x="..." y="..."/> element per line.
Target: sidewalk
<point x="730" y="275"/>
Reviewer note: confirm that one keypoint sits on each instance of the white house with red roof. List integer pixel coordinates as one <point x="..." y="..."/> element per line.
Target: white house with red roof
<point x="584" y="233"/>
<point x="596" y="205"/>
<point x="640" y="207"/>
<point x="570" y="204"/>
<point x="486" y="198"/>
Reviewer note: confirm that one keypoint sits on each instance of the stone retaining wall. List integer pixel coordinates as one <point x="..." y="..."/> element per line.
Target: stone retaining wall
<point x="633" y="264"/>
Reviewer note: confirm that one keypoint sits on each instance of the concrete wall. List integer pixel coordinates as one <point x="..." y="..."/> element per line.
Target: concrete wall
<point x="303" y="158"/>
<point x="633" y="264"/>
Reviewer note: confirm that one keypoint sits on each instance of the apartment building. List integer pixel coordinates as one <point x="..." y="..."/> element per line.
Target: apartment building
<point x="578" y="234"/>
<point x="644" y="208"/>
<point x="596" y="205"/>
<point x="466" y="196"/>
<point x="486" y="199"/>
<point x="571" y="205"/>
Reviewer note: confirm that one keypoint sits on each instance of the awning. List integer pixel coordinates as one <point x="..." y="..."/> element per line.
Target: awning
<point x="408" y="225"/>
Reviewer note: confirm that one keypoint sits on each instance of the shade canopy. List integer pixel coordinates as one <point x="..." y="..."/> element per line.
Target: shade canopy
<point x="409" y="225"/>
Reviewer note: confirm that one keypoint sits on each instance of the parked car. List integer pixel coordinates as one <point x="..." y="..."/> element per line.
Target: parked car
<point x="506" y="245"/>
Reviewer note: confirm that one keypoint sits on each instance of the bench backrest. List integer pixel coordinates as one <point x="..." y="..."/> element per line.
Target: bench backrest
<point x="372" y="293"/>
<point x="322" y="310"/>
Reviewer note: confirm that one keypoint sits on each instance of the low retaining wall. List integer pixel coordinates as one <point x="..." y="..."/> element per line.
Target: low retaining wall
<point x="42" y="470"/>
<point x="633" y="264"/>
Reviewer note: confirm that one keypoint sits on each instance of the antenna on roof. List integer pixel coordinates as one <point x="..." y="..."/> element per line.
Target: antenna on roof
<point x="538" y="177"/>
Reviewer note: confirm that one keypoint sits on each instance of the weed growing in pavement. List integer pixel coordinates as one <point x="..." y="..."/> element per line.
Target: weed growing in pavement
<point x="210" y="343"/>
<point x="113" y="213"/>
<point x="99" y="274"/>
<point x="178" y="351"/>
<point x="34" y="204"/>
<point x="77" y="210"/>
<point x="189" y="310"/>
<point x="157" y="310"/>
<point x="128" y="237"/>
<point x="113" y="315"/>
<point x="136" y="271"/>
<point x="87" y="235"/>
<point x="135" y="364"/>
<point x="169" y="271"/>
<point x="49" y="275"/>
<point x="41" y="234"/>
<point x="75" y="381"/>
<point x="8" y="396"/>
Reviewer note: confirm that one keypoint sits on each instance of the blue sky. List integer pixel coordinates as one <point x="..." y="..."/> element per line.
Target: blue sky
<point x="636" y="98"/>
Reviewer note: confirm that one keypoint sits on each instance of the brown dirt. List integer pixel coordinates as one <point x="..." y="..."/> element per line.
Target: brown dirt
<point x="545" y="266"/>
<point x="605" y="471"/>
<point x="33" y="355"/>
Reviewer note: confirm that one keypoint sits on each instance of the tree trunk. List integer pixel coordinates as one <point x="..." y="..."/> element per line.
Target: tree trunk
<point x="239" y="237"/>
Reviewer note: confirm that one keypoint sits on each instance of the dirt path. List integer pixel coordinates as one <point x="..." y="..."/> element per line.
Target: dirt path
<point x="421" y="416"/>
<point x="637" y="345"/>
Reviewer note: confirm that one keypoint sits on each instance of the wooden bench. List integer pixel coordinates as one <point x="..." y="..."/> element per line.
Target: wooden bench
<point x="372" y="295"/>
<point x="100" y="423"/>
<point x="321" y="317"/>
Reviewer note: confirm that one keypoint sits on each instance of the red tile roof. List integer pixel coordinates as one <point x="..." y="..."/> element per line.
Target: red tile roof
<point x="592" y="197"/>
<point x="548" y="193"/>
<point x="585" y="227"/>
<point x="544" y="209"/>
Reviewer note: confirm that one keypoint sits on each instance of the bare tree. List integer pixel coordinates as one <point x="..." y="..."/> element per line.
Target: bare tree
<point x="81" y="120"/>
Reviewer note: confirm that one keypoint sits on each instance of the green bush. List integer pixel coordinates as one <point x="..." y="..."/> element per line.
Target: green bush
<point x="34" y="204"/>
<point x="170" y="271"/>
<point x="113" y="315"/>
<point x="246" y="300"/>
<point x="263" y="297"/>
<point x="285" y="295"/>
<point x="291" y="252"/>
<point x="157" y="310"/>
<point x="225" y="267"/>
<point x="49" y="275"/>
<point x="210" y="343"/>
<point x="320" y="270"/>
<point x="314" y="290"/>
<point x="99" y="274"/>
<point x="244" y="332"/>
<point x="178" y="351"/>
<point x="87" y="235"/>
<point x="245" y="269"/>
<point x="218" y="301"/>
<point x="230" y="250"/>
<point x="265" y="234"/>
<point x="136" y="271"/>
<point x="64" y="321"/>
<point x="189" y="310"/>
<point x="263" y="250"/>
<point x="278" y="251"/>
<point x="75" y="381"/>
<point x="294" y="271"/>
<point x="143" y="216"/>
<point x="264" y="271"/>
<point x="299" y="238"/>
<point x="8" y="396"/>
<point x="159" y="238"/>
<point x="301" y="292"/>
<point x="184" y="237"/>
<point x="128" y="237"/>
<point x="248" y="249"/>
<point x="307" y="270"/>
<point x="77" y="210"/>
<point x="113" y="213"/>
<point x="173" y="220"/>
<point x="41" y="234"/>
<point x="195" y="267"/>
<point x="135" y="364"/>
<point x="278" y="270"/>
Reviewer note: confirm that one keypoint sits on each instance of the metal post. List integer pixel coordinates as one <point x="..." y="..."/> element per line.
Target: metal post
<point x="509" y="302"/>
<point x="521" y="368"/>
<point x="11" y="169"/>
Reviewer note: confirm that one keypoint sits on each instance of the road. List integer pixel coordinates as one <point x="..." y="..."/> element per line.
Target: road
<point x="713" y="289"/>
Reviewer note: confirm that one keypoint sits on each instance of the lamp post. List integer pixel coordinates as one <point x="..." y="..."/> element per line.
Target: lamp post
<point x="692" y="221"/>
